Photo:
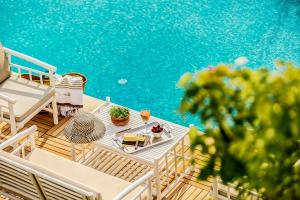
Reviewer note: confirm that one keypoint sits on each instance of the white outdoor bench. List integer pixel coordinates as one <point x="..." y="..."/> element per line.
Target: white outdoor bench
<point x="40" y="174"/>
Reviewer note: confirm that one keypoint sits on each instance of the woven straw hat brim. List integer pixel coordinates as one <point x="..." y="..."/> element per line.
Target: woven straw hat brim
<point x="77" y="137"/>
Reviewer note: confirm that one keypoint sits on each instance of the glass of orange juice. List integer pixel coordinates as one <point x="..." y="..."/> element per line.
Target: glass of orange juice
<point x="145" y="115"/>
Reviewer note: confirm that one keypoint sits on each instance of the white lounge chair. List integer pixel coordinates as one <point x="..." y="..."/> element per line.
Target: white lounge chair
<point x="22" y="99"/>
<point x="40" y="174"/>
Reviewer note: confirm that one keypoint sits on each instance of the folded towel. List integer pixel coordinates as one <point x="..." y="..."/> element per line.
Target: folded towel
<point x="69" y="94"/>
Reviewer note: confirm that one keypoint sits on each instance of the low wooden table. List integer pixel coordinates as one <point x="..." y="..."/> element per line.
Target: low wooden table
<point x="169" y="161"/>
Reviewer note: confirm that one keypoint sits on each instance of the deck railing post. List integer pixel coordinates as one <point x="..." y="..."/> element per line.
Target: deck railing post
<point x="215" y="189"/>
<point x="175" y="163"/>
<point x="167" y="170"/>
<point x="183" y="157"/>
<point x="193" y="166"/>
<point x="107" y="99"/>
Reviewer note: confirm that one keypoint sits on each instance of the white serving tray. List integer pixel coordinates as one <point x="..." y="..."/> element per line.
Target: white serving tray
<point x="166" y="136"/>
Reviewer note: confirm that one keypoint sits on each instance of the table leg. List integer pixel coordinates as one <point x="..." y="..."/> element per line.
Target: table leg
<point x="157" y="179"/>
<point x="73" y="153"/>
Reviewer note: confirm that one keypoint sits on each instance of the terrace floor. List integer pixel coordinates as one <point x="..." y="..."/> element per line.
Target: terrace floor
<point x="51" y="138"/>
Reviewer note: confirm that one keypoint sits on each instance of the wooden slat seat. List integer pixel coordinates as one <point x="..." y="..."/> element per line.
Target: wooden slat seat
<point x="18" y="178"/>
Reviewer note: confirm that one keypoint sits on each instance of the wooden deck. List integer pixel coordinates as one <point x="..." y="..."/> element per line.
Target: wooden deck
<point x="51" y="138"/>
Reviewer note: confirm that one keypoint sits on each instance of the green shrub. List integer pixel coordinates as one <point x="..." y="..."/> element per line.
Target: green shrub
<point x="251" y="121"/>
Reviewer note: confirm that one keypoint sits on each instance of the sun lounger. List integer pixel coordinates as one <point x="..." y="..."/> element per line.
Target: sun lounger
<point x="22" y="99"/>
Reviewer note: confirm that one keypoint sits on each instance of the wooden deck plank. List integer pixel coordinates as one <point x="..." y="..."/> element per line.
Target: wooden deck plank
<point x="188" y="193"/>
<point x="203" y="195"/>
<point x="178" y="194"/>
<point x="195" y="193"/>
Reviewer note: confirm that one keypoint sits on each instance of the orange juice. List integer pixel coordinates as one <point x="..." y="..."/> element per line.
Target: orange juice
<point x="145" y="115"/>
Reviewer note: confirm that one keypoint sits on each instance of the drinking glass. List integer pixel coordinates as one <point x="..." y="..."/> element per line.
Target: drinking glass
<point x="145" y="115"/>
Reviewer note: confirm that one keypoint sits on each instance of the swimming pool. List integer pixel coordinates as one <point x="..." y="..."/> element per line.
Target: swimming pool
<point x="149" y="43"/>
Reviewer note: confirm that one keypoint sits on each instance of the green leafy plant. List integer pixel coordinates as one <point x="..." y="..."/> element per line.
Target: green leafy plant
<point x="119" y="112"/>
<point x="251" y="122"/>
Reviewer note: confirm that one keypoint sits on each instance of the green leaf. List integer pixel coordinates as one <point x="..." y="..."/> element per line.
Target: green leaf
<point x="185" y="78"/>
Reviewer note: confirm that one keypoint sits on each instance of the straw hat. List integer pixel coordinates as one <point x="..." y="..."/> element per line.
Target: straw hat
<point x="84" y="128"/>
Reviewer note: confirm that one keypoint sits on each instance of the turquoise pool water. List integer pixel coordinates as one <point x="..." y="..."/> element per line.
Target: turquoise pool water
<point x="149" y="43"/>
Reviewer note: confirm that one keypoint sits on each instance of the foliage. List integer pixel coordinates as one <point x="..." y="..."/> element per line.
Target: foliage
<point x="251" y="121"/>
<point x="119" y="112"/>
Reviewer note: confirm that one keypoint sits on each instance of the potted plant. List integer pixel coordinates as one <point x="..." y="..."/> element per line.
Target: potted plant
<point x="119" y="115"/>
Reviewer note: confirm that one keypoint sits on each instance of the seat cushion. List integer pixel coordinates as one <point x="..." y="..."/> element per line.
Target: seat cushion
<point x="29" y="95"/>
<point x="108" y="186"/>
<point x="4" y="65"/>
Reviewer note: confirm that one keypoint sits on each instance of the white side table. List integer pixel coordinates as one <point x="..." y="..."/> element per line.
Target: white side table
<point x="169" y="161"/>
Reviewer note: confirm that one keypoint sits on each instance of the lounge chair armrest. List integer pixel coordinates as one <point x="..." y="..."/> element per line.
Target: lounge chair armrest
<point x="11" y="141"/>
<point x="144" y="179"/>
<point x="8" y="99"/>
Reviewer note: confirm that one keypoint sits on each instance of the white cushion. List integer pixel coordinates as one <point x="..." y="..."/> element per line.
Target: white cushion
<point x="108" y="186"/>
<point x="29" y="95"/>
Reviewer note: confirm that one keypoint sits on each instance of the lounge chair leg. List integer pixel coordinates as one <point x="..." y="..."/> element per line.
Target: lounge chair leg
<point x="13" y="124"/>
<point x="55" y="113"/>
<point x="13" y="129"/>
